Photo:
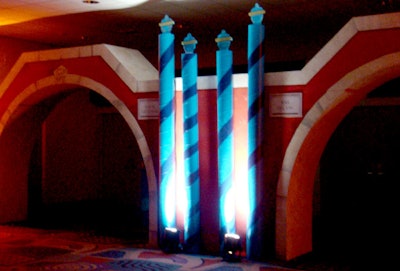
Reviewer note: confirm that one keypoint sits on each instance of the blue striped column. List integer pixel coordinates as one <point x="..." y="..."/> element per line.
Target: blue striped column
<point x="255" y="54"/>
<point x="225" y="134"/>
<point x="167" y="124"/>
<point x="191" y="145"/>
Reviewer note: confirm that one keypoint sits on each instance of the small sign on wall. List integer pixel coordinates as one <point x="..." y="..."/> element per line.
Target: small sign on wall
<point x="148" y="108"/>
<point x="288" y="105"/>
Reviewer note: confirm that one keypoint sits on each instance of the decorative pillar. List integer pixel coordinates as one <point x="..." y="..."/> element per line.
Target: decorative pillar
<point x="167" y="124"/>
<point x="225" y="134"/>
<point x="255" y="54"/>
<point x="191" y="145"/>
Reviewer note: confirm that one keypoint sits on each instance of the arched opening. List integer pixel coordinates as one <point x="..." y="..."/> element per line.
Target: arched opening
<point x="354" y="198"/>
<point x="84" y="170"/>
<point x="24" y="138"/>
<point x="90" y="170"/>
<point x="296" y="184"/>
<point x="40" y="80"/>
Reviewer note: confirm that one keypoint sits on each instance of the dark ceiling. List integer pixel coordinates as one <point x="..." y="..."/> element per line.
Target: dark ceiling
<point x="295" y="29"/>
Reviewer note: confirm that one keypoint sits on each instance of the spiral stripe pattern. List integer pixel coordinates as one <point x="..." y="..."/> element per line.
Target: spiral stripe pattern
<point x="167" y="129"/>
<point x="255" y="126"/>
<point x="191" y="152"/>
<point x="225" y="140"/>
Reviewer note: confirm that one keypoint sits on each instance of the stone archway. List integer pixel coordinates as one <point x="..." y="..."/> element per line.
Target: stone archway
<point x="142" y="78"/>
<point x="295" y="185"/>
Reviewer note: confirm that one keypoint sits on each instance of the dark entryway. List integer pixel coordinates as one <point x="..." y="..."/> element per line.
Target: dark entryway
<point x="86" y="172"/>
<point x="355" y="194"/>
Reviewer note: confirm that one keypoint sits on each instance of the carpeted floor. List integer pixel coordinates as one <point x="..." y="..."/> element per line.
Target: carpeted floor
<point x="24" y="249"/>
<point x="35" y="249"/>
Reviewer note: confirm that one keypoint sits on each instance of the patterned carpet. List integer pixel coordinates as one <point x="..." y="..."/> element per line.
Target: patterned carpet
<point x="23" y="249"/>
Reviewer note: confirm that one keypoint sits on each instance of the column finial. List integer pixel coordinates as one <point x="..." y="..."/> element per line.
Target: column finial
<point x="257" y="14"/>
<point x="166" y="24"/>
<point x="224" y="40"/>
<point x="189" y="43"/>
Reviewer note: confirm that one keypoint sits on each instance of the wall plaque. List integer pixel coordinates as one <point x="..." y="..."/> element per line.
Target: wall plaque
<point x="148" y="108"/>
<point x="288" y="105"/>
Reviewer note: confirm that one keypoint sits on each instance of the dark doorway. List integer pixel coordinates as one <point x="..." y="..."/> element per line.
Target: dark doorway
<point x="86" y="172"/>
<point x="355" y="221"/>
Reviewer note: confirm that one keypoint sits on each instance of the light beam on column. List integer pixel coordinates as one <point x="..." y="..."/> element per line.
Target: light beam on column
<point x="191" y="145"/>
<point x="224" y="63"/>
<point x="255" y="54"/>
<point x="167" y="124"/>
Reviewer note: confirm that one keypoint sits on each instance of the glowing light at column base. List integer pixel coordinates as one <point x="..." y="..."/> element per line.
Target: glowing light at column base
<point x="229" y="208"/>
<point x="170" y="204"/>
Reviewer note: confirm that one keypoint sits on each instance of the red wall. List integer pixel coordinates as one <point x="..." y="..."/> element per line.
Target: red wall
<point x="362" y="48"/>
<point x="11" y="49"/>
<point x="69" y="138"/>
